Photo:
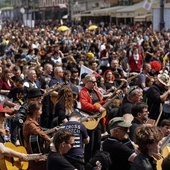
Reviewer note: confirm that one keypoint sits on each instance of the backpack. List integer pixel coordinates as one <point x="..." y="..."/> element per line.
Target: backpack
<point x="102" y="160"/>
<point x="103" y="157"/>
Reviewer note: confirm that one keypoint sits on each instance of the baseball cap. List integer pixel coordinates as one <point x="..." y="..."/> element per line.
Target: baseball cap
<point x="83" y="75"/>
<point x="3" y="110"/>
<point x="118" y="122"/>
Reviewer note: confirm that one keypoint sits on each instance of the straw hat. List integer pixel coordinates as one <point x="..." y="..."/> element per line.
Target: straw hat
<point x="164" y="79"/>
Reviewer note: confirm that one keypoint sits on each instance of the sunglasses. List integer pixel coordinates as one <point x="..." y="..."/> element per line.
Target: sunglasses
<point x="134" y="88"/>
<point x="93" y="82"/>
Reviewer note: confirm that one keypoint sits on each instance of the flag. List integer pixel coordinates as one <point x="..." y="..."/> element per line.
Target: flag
<point x="148" y="4"/>
<point x="85" y="69"/>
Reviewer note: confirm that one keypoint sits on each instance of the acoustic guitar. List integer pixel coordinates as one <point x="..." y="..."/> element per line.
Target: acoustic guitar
<point x="38" y="144"/>
<point x="13" y="163"/>
<point x="165" y="153"/>
<point x="92" y="123"/>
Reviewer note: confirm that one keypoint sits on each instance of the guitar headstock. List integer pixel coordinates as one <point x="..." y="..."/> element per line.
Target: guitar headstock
<point x="119" y="92"/>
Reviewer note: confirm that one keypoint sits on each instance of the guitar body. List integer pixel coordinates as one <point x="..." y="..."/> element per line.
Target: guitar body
<point x="11" y="163"/>
<point x="36" y="144"/>
<point x="165" y="153"/>
<point x="92" y="124"/>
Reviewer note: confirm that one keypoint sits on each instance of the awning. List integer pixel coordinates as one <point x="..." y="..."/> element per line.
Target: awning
<point x="142" y="18"/>
<point x="78" y="16"/>
<point x="106" y="11"/>
<point x="131" y="11"/>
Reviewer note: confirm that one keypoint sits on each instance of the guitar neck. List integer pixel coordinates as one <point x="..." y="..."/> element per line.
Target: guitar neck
<point x="113" y="97"/>
<point x="50" y="131"/>
<point x="131" y="78"/>
<point x="51" y="89"/>
<point x="89" y="117"/>
<point x="106" y="105"/>
<point x="160" y="114"/>
<point x="36" y="157"/>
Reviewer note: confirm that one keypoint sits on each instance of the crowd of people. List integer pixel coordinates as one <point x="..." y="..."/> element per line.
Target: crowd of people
<point x="106" y="89"/>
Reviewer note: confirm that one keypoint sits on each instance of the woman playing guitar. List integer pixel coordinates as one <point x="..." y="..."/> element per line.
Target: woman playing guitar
<point x="31" y="126"/>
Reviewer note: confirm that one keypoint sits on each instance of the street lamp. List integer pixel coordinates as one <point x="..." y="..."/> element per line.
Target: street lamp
<point x="31" y="4"/>
<point x="162" y="22"/>
<point x="70" y="12"/>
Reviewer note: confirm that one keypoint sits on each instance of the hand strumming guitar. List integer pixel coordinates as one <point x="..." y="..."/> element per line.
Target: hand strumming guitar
<point x="102" y="109"/>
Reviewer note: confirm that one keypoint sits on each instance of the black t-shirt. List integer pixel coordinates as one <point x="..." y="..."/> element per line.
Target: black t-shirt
<point x="44" y="81"/>
<point x="109" y="85"/>
<point x="58" y="162"/>
<point x="94" y="96"/>
<point x="60" y="112"/>
<point x="153" y="101"/>
<point x="17" y="94"/>
<point x="80" y="133"/>
<point x="125" y="108"/>
<point x="135" y="124"/>
<point x="143" y="162"/>
<point x="119" y="153"/>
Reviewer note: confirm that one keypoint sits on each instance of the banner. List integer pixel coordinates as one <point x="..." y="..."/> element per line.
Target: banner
<point x="85" y="69"/>
<point x="148" y="4"/>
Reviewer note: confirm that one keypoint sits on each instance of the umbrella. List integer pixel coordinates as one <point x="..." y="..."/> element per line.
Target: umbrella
<point x="92" y="27"/>
<point x="62" y="28"/>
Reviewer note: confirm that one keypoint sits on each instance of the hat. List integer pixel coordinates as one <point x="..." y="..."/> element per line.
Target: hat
<point x="34" y="92"/>
<point x="164" y="79"/>
<point x="2" y="110"/>
<point x="83" y="75"/>
<point x="90" y="55"/>
<point x="118" y="122"/>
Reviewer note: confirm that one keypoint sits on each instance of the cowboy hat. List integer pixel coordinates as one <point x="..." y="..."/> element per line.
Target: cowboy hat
<point x="164" y="79"/>
<point x="2" y="110"/>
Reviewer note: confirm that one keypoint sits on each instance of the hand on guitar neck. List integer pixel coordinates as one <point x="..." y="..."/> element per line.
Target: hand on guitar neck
<point x="20" y="160"/>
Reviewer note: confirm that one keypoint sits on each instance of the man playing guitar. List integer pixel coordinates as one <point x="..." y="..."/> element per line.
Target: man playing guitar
<point x="88" y="96"/>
